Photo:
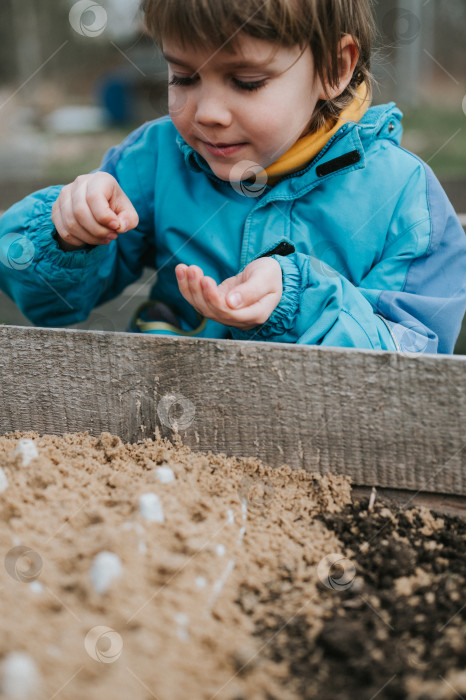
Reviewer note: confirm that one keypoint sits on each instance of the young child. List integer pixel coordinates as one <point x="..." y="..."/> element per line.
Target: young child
<point x="273" y="202"/>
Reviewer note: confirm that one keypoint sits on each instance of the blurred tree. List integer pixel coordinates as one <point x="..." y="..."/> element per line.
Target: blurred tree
<point x="27" y="44"/>
<point x="420" y="49"/>
<point x="406" y="36"/>
<point x="31" y="32"/>
<point x="7" y="57"/>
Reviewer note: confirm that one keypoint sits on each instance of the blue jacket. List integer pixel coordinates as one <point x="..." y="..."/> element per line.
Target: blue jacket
<point x="372" y="253"/>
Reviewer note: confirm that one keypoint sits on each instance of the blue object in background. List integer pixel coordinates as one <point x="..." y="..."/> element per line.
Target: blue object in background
<point x="115" y="94"/>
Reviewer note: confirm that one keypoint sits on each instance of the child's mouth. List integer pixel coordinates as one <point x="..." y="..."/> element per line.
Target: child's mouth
<point x="223" y="149"/>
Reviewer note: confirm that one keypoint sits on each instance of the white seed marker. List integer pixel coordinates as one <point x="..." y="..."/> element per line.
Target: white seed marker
<point x="165" y="475"/>
<point x="220" y="549"/>
<point x="28" y="450"/>
<point x="106" y="567"/>
<point x="3" y="481"/>
<point x="150" y="508"/>
<point x="21" y="678"/>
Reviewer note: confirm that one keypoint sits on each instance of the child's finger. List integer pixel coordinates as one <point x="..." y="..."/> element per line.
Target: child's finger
<point x="190" y="281"/>
<point x="254" y="315"/>
<point x="91" y="193"/>
<point x="211" y="293"/>
<point x="100" y="209"/>
<point x="109" y="204"/>
<point x="70" y="224"/>
<point x="183" y="284"/>
<point x="81" y="224"/>
<point x="246" y="317"/>
<point x="194" y="275"/>
<point x="127" y="214"/>
<point x="57" y="219"/>
<point x="85" y="219"/>
<point x="180" y="271"/>
<point x="209" y="286"/>
<point x="262" y="277"/>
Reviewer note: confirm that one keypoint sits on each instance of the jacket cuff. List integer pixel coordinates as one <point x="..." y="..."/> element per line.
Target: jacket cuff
<point x="48" y="257"/>
<point x="283" y="317"/>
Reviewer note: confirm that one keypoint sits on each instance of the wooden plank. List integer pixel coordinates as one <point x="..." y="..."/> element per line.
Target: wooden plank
<point x="383" y="418"/>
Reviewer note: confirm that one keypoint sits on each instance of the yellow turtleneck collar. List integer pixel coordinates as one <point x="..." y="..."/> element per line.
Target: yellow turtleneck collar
<point x="307" y="147"/>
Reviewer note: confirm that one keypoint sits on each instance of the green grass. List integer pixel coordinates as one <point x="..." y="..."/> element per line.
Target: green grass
<point x="460" y="348"/>
<point x="438" y="136"/>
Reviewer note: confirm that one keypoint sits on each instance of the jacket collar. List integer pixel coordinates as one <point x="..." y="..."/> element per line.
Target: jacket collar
<point x="380" y="122"/>
<point x="305" y="149"/>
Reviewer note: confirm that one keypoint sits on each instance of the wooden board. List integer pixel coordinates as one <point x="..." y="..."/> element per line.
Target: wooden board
<point x="383" y="418"/>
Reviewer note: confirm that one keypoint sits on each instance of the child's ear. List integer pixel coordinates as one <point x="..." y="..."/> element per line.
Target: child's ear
<point x="348" y="58"/>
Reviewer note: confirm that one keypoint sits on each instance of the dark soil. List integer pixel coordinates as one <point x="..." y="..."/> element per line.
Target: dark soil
<point x="398" y="629"/>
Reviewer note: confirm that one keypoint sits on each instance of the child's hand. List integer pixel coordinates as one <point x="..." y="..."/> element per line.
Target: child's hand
<point x="93" y="209"/>
<point x="259" y="285"/>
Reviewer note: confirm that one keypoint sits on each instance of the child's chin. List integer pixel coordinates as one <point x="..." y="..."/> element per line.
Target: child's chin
<point x="223" y="173"/>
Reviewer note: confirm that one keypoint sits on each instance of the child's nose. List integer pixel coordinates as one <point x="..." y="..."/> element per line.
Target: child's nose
<point x="212" y="108"/>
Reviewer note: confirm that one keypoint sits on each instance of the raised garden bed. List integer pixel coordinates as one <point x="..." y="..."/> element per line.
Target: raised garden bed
<point x="242" y="582"/>
<point x="137" y="567"/>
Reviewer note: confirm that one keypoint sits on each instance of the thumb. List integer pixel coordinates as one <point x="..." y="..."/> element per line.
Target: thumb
<point x="245" y="294"/>
<point x="260" y="278"/>
<point x="127" y="215"/>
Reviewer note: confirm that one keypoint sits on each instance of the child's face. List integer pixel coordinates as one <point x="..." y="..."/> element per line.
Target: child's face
<point x="230" y="113"/>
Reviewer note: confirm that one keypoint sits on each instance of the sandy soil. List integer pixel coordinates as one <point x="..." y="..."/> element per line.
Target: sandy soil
<point x="259" y="584"/>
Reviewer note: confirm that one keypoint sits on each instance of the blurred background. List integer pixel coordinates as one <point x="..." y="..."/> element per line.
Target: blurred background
<point x="76" y="76"/>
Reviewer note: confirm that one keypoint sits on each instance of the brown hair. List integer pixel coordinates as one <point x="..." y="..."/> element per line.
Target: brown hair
<point x="319" y="24"/>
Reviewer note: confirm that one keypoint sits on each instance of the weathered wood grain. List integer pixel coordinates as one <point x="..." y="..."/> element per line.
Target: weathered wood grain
<point x="383" y="418"/>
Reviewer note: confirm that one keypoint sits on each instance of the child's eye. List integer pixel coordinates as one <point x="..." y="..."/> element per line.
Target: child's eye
<point x="176" y="80"/>
<point x="248" y="85"/>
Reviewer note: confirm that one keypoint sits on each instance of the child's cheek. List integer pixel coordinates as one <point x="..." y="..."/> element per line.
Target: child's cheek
<point x="177" y="102"/>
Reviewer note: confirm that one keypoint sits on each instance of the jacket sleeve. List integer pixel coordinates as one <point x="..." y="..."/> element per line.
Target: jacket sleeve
<point x="319" y="306"/>
<point x="56" y="288"/>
